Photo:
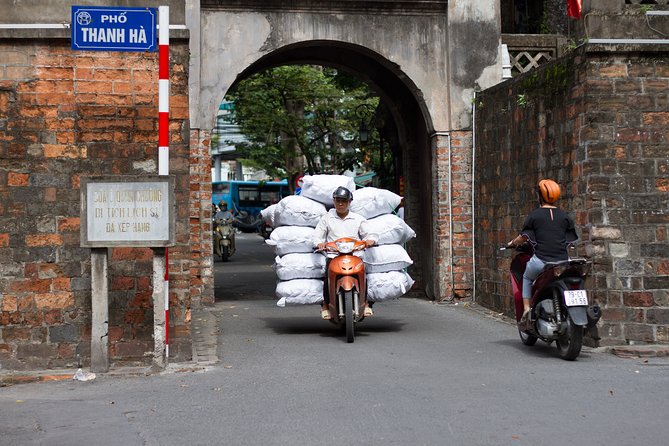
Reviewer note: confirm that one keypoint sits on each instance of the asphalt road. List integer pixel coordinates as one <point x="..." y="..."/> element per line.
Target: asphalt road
<point x="418" y="374"/>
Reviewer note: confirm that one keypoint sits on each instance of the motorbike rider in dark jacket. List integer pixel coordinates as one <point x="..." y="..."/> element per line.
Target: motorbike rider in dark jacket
<point x="550" y="230"/>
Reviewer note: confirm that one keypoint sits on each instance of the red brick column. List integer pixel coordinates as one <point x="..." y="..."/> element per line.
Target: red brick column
<point x="452" y="200"/>
<point x="202" y="269"/>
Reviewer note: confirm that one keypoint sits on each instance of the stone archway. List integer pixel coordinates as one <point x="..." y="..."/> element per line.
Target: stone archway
<point x="418" y="55"/>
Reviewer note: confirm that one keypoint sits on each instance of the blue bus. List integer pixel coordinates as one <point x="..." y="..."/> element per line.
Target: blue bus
<point x="249" y="196"/>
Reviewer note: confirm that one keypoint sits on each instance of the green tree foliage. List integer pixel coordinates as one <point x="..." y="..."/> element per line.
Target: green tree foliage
<point x="301" y="119"/>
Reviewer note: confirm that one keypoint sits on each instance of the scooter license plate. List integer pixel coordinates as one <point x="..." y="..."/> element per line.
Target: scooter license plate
<point x="575" y="298"/>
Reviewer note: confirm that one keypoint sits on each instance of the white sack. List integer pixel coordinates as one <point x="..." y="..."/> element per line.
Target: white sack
<point x="371" y="202"/>
<point x="387" y="286"/>
<point x="390" y="228"/>
<point x="299" y="292"/>
<point x="384" y="258"/>
<point x="296" y="210"/>
<point x="321" y="187"/>
<point x="300" y="266"/>
<point x="291" y="239"/>
<point x="267" y="214"/>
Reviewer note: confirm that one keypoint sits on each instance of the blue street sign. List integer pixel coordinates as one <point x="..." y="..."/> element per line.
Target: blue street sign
<point x="114" y="28"/>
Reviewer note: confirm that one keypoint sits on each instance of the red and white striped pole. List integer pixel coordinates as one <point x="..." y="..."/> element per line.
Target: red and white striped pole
<point x="164" y="134"/>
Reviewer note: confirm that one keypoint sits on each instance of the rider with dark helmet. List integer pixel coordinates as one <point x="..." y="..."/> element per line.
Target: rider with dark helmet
<point x="549" y="229"/>
<point x="337" y="223"/>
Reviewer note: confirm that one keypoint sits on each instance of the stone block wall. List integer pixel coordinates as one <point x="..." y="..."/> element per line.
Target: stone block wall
<point x="595" y="121"/>
<point x="65" y="114"/>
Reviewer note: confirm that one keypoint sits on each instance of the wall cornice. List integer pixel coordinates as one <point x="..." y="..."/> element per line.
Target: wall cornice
<point x="423" y="7"/>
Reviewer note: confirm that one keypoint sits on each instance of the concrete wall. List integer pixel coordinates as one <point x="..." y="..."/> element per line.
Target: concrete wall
<point x="596" y="122"/>
<point x="232" y="41"/>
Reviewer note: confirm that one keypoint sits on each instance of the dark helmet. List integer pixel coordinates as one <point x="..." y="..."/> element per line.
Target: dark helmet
<point x="342" y="192"/>
<point x="549" y="191"/>
<point x="223" y="205"/>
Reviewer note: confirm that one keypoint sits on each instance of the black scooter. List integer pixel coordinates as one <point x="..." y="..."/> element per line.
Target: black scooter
<point x="560" y="310"/>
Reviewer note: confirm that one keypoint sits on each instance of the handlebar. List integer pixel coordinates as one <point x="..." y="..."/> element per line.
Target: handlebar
<point x="333" y="247"/>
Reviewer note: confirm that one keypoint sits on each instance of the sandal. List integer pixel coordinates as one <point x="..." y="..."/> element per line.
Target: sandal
<point x="325" y="314"/>
<point x="368" y="311"/>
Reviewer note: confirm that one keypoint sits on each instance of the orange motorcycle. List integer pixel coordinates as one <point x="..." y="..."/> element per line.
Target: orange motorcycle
<point x="347" y="286"/>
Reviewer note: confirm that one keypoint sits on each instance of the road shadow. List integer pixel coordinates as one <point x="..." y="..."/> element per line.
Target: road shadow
<point x="538" y="350"/>
<point x="300" y="325"/>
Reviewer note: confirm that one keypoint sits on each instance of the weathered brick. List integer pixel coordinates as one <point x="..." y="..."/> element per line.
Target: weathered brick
<point x="133" y="349"/>
<point x="24" y="351"/>
<point x="662" y="334"/>
<point x="656" y="118"/>
<point x="36" y="240"/>
<point x="63" y="151"/>
<point x="33" y="318"/>
<point x="638" y="299"/>
<point x="659" y="316"/>
<point x="15" y="334"/>
<point x="18" y="179"/>
<point x="656" y="283"/>
<point x="68" y="224"/>
<point x="53" y="317"/>
<point x="605" y="233"/>
<point x="56" y="300"/>
<point x="662" y="184"/>
<point x="132" y="254"/>
<point x="61" y="284"/>
<point x="638" y="332"/>
<point x="660" y="250"/>
<point x="34" y="286"/>
<point x="122" y="283"/>
<point x="63" y="333"/>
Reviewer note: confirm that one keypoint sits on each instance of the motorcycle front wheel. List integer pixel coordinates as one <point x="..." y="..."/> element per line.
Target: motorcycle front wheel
<point x="224" y="252"/>
<point x="570" y="342"/>
<point x="348" y="316"/>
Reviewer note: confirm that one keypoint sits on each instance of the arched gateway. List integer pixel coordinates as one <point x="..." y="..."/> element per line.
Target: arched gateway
<point x="423" y="58"/>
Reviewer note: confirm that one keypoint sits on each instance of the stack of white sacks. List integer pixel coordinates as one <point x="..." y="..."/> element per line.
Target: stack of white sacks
<point x="301" y="271"/>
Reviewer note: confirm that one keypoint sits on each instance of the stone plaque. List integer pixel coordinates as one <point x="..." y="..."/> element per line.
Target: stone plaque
<point x="127" y="211"/>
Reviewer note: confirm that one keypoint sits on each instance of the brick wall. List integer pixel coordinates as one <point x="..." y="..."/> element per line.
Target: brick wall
<point x="65" y="114"/>
<point x="596" y="121"/>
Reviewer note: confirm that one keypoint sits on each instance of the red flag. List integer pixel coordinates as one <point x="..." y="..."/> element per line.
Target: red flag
<point x="574" y="8"/>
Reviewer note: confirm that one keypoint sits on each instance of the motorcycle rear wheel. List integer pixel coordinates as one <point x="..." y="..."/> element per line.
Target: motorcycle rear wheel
<point x="348" y="316"/>
<point x="527" y="338"/>
<point x="570" y="343"/>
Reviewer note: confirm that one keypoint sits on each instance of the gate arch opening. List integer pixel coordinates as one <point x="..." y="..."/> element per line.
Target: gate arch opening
<point x="411" y="118"/>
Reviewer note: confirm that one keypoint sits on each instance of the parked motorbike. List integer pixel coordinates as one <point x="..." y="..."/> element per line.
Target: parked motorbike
<point x="560" y="310"/>
<point x="224" y="235"/>
<point x="347" y="286"/>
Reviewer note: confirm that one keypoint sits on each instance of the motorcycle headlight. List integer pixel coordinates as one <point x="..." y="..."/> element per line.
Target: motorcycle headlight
<point x="345" y="247"/>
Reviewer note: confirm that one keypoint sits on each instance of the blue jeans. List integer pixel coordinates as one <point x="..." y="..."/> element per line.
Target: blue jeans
<point x="534" y="266"/>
